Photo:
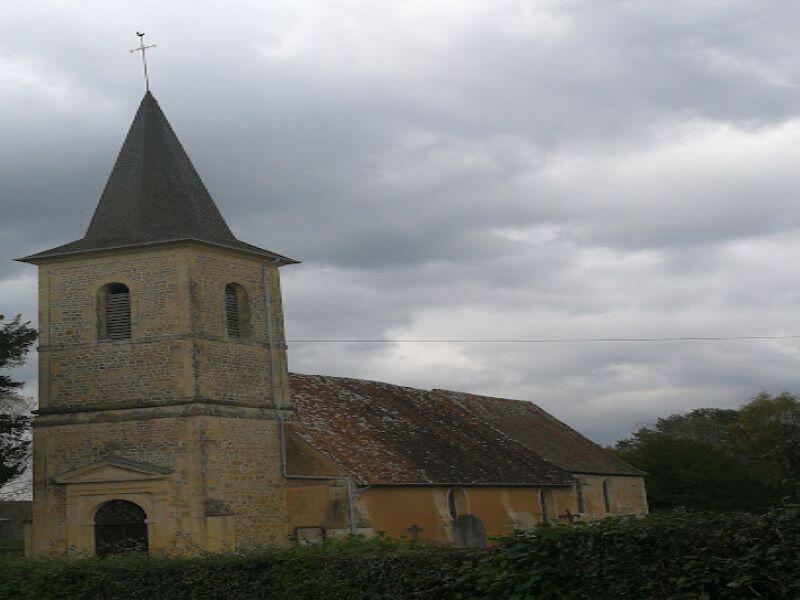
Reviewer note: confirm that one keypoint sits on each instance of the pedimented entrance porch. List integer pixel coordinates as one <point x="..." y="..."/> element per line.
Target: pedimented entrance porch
<point x="116" y="506"/>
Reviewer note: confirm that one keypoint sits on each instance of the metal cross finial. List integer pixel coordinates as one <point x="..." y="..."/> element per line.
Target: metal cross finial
<point x="142" y="48"/>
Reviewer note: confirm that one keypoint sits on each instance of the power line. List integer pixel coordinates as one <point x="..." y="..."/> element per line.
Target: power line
<point x="548" y="340"/>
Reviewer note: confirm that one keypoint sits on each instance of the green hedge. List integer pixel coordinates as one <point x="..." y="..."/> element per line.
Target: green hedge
<point x="355" y="569"/>
<point x="661" y="556"/>
<point x="668" y="555"/>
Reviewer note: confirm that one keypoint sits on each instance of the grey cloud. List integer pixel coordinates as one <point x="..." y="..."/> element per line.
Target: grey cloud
<point x="468" y="169"/>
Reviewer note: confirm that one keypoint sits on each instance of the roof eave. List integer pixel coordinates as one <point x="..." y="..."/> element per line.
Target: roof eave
<point x="636" y="473"/>
<point x="46" y="255"/>
<point x="454" y="484"/>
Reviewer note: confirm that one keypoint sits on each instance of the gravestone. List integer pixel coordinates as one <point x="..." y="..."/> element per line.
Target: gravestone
<point x="309" y="536"/>
<point x="468" y="532"/>
<point x="414" y="530"/>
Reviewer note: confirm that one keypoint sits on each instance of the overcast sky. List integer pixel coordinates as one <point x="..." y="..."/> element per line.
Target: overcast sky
<point x="455" y="169"/>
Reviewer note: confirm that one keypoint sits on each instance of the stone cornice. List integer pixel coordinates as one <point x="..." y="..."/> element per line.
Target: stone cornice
<point x="158" y="339"/>
<point x="172" y="409"/>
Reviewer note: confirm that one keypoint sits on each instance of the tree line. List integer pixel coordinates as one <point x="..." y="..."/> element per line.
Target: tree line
<point x="16" y="340"/>
<point x="721" y="459"/>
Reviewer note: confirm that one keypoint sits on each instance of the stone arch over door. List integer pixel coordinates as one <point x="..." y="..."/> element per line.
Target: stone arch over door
<point x="120" y="526"/>
<point x="114" y="478"/>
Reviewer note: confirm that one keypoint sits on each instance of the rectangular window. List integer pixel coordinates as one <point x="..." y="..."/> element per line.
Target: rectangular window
<point x="606" y="499"/>
<point x="580" y="506"/>
<point x="543" y="504"/>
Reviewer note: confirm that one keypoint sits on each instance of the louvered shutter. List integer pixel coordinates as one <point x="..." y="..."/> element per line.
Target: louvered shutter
<point x="118" y="313"/>
<point x="232" y="312"/>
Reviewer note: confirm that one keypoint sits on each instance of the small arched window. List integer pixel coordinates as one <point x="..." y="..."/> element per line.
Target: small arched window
<point x="235" y="310"/>
<point x="452" y="509"/>
<point x="456" y="503"/>
<point x="116" y="312"/>
<point x="606" y="496"/>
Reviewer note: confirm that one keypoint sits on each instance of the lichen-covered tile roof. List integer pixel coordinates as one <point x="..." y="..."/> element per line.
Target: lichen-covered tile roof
<point x="540" y="431"/>
<point x="387" y="434"/>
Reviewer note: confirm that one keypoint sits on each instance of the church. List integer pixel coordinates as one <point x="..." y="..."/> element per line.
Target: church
<point x="168" y="420"/>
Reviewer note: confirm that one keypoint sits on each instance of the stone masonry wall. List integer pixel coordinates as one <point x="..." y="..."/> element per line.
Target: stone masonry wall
<point x="179" y="348"/>
<point x="70" y="315"/>
<point x="210" y="273"/>
<point x="626" y="495"/>
<point x="233" y="371"/>
<point x="242" y="470"/>
<point x="237" y="369"/>
<point x="119" y="373"/>
<point x="179" y="353"/>
<point x="281" y="372"/>
<point x="60" y="449"/>
<point x="78" y="368"/>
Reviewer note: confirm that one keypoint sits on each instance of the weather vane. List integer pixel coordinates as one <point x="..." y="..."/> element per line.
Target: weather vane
<point x="142" y="48"/>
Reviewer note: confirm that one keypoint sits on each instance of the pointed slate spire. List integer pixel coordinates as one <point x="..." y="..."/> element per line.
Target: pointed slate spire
<point x="154" y="195"/>
<point x="154" y="192"/>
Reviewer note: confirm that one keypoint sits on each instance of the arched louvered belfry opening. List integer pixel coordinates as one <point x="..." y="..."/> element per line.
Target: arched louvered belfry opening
<point x="120" y="527"/>
<point x="236" y="312"/>
<point x="116" y="312"/>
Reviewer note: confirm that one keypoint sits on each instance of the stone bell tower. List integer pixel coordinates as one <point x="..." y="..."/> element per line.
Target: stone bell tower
<point x="162" y="370"/>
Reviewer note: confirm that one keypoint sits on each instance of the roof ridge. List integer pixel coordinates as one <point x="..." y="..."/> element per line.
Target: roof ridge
<point x="344" y="377"/>
<point x="484" y="396"/>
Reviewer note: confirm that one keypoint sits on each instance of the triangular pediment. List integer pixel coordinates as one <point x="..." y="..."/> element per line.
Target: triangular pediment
<point x="113" y="469"/>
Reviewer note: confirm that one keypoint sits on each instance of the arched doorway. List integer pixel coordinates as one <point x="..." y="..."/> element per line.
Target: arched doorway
<point x="120" y="527"/>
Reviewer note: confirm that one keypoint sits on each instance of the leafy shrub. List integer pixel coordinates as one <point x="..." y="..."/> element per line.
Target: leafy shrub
<point x="671" y="555"/>
<point x="349" y="569"/>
